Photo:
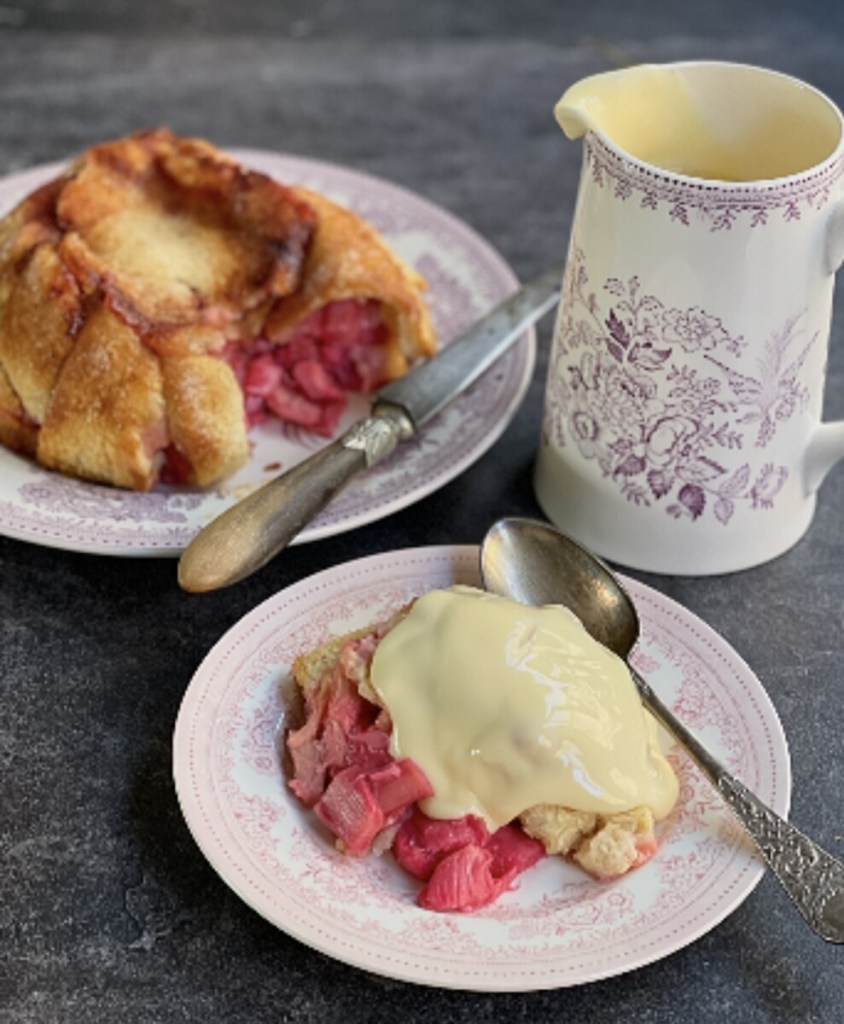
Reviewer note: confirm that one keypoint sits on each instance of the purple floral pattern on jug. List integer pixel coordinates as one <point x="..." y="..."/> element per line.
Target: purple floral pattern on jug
<point x="719" y="206"/>
<point x="625" y="391"/>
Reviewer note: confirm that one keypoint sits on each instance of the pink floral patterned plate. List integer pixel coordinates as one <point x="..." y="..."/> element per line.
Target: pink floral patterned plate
<point x="466" y="277"/>
<point x="558" y="927"/>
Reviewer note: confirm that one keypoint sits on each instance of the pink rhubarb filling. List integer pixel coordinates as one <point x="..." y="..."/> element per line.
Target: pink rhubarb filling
<point x="305" y="380"/>
<point x="343" y="769"/>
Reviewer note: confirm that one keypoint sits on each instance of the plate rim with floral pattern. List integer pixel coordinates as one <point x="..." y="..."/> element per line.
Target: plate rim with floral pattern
<point x="467" y="277"/>
<point x="557" y="928"/>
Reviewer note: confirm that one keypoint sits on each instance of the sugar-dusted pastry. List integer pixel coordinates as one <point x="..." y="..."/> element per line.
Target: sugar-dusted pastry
<point x="356" y="320"/>
<point x="349" y="261"/>
<point x="158" y="298"/>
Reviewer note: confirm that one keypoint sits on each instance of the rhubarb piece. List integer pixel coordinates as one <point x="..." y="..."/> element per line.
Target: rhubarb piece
<point x="422" y="842"/>
<point x="475" y="875"/>
<point x="357" y="804"/>
<point x="462" y="881"/>
<point x="465" y="867"/>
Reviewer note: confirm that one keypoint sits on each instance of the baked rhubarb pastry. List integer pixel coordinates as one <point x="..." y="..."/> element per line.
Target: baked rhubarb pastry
<point x="473" y="736"/>
<point x="158" y="299"/>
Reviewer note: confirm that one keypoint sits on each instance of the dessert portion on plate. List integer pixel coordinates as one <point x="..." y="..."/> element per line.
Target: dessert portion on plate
<point x="157" y="299"/>
<point x="473" y="736"/>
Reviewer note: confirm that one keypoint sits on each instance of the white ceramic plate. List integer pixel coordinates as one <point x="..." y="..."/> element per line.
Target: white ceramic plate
<point x="558" y="928"/>
<point x="466" y="278"/>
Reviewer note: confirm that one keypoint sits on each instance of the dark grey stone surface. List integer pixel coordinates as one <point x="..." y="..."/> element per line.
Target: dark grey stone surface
<point x="108" y="911"/>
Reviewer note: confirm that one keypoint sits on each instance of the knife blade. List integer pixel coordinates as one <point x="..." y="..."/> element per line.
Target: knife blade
<point x="246" y="536"/>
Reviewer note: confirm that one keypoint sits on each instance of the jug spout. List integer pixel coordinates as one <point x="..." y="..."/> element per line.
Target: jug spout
<point x="618" y="105"/>
<point x="717" y="122"/>
<point x="653" y="113"/>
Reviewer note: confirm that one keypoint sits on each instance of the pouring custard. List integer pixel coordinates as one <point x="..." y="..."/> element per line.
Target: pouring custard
<point x="505" y="706"/>
<point x="695" y="120"/>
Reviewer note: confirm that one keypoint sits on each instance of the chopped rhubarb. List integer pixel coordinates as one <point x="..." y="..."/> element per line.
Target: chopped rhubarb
<point x="340" y="727"/>
<point x="306" y="379"/>
<point x="349" y="809"/>
<point x="349" y="320"/>
<point x="422" y="842"/>
<point x="176" y="469"/>
<point x="463" y="881"/>
<point x="256" y="411"/>
<point x="369" y="364"/>
<point x="343" y="768"/>
<point x="238" y="360"/>
<point x="474" y="875"/>
<point x="300" y="347"/>
<point x="319" y="745"/>
<point x="465" y="866"/>
<point x="315" y="381"/>
<point x="399" y="785"/>
<point x="262" y="375"/>
<point x="358" y="804"/>
<point x="370" y="749"/>
<point x="513" y="850"/>
<point x="293" y="407"/>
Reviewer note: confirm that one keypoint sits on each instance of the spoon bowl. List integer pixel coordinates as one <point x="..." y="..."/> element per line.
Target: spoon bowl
<point x="535" y="564"/>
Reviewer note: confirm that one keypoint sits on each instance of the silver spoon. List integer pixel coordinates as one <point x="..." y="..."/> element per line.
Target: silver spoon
<point x="532" y="562"/>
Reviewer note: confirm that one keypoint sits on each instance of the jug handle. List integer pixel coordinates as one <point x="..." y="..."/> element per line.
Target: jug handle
<point x="826" y="446"/>
<point x="825" y="449"/>
<point x="834" y="249"/>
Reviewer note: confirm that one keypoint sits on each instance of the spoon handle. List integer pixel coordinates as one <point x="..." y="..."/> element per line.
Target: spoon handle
<point x="813" y="878"/>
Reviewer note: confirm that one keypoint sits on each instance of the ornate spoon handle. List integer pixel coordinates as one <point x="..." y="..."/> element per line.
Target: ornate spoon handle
<point x="813" y="878"/>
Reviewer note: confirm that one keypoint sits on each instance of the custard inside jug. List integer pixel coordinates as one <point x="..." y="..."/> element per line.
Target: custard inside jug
<point x="727" y="122"/>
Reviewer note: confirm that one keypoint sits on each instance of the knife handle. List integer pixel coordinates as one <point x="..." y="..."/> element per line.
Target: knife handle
<point x="250" y="533"/>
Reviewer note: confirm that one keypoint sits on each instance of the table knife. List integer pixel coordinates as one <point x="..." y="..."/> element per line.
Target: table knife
<point x="246" y="536"/>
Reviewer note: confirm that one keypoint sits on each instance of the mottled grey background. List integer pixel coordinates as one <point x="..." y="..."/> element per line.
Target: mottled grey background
<point x="108" y="911"/>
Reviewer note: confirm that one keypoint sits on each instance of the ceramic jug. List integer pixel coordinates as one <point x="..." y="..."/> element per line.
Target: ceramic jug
<point x="682" y="429"/>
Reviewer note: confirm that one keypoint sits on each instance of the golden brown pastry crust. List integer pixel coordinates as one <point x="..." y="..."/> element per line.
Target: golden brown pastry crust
<point x="122" y="281"/>
<point x="181" y="232"/>
<point x="147" y="249"/>
<point x="105" y="419"/>
<point x="349" y="259"/>
<point x="41" y="314"/>
<point x="205" y="415"/>
<point x="16" y="430"/>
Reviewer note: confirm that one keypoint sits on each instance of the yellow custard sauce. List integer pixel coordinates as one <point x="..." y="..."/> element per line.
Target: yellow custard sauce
<point x="726" y="123"/>
<point x="505" y="706"/>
